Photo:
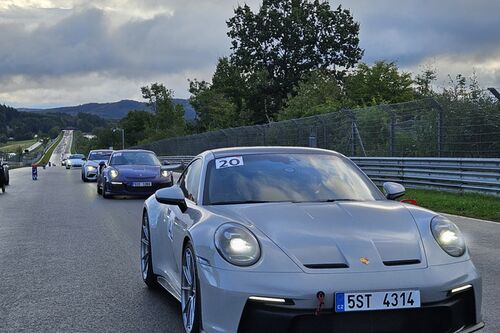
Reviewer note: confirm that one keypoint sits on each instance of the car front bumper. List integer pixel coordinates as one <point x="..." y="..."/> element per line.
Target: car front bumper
<point x="125" y="188"/>
<point x="90" y="174"/>
<point x="441" y="311"/>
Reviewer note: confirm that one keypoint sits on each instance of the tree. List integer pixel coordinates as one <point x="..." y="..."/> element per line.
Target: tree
<point x="135" y="125"/>
<point x="319" y="93"/>
<point x="168" y="119"/>
<point x="285" y="40"/>
<point x="424" y="80"/>
<point x="381" y="83"/>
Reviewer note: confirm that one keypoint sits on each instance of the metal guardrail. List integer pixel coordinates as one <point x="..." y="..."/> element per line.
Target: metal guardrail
<point x="481" y="175"/>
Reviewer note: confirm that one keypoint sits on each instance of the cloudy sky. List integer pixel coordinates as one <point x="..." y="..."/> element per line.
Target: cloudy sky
<point x="69" y="52"/>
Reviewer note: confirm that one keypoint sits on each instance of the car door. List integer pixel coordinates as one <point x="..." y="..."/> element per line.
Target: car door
<point x="174" y="223"/>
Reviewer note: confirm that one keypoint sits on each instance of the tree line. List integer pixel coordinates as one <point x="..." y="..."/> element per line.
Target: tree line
<point x="291" y="59"/>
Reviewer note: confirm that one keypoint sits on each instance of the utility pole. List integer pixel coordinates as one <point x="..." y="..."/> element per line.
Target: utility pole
<point x="123" y="135"/>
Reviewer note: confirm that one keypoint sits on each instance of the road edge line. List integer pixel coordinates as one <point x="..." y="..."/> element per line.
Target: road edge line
<point x="472" y="218"/>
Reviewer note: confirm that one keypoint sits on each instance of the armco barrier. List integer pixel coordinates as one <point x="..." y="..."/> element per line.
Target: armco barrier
<point x="451" y="174"/>
<point x="481" y="175"/>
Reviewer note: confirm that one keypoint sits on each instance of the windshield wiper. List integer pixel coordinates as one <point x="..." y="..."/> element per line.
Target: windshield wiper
<point x="240" y="202"/>
<point x="326" y="200"/>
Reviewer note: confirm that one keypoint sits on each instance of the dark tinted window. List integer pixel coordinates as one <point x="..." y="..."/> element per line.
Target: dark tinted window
<point x="99" y="156"/>
<point x="134" y="158"/>
<point x="190" y="181"/>
<point x="286" y="177"/>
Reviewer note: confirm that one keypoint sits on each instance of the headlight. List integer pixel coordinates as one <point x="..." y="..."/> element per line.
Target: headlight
<point x="237" y="244"/>
<point x="165" y="173"/>
<point x="91" y="168"/>
<point x="113" y="173"/>
<point x="448" y="236"/>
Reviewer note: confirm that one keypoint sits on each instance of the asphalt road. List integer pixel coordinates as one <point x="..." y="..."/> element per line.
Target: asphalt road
<point x="63" y="148"/>
<point x="69" y="260"/>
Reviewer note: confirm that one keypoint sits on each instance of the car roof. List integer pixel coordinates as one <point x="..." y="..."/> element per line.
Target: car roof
<point x="223" y="152"/>
<point x="133" y="151"/>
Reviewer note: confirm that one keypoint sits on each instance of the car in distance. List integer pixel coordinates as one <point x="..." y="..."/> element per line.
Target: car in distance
<point x="91" y="167"/>
<point x="75" y="161"/>
<point x="287" y="239"/>
<point x="132" y="172"/>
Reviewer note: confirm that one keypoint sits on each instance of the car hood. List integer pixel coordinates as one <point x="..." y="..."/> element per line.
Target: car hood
<point x="331" y="236"/>
<point x="138" y="171"/>
<point x="95" y="163"/>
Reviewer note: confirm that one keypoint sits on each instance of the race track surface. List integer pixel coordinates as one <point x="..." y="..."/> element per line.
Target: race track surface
<point x="69" y="260"/>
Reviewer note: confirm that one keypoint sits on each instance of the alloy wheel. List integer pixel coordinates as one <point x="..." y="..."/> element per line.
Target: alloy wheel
<point x="188" y="295"/>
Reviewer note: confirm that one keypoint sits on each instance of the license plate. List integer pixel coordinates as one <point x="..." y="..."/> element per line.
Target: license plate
<point x="142" y="184"/>
<point x="379" y="300"/>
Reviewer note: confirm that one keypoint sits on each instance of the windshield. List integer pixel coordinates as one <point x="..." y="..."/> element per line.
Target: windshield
<point x="134" y="158"/>
<point x="286" y="177"/>
<point x="76" y="157"/>
<point x="99" y="155"/>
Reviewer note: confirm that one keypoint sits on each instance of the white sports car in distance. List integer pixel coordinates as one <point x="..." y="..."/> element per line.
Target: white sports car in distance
<point x="282" y="239"/>
<point x="75" y="161"/>
<point x="90" y="169"/>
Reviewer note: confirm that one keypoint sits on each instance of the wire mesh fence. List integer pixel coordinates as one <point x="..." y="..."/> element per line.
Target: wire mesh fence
<point x="412" y="129"/>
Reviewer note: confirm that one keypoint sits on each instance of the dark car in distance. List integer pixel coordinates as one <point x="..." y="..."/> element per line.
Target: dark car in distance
<point x="133" y="172"/>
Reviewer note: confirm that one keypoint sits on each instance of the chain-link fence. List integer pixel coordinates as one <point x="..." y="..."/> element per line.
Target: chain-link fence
<point x="418" y="128"/>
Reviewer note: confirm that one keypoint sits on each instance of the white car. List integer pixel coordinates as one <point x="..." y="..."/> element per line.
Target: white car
<point x="75" y="161"/>
<point x="90" y="169"/>
<point x="283" y="239"/>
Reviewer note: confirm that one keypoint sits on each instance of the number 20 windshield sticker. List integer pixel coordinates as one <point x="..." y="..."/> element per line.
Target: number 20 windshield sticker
<point x="228" y="162"/>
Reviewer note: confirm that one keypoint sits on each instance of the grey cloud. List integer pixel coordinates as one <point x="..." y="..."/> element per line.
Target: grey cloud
<point x="86" y="41"/>
<point x="410" y="31"/>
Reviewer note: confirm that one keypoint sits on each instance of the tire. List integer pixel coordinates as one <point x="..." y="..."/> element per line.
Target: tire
<point x="3" y="188"/>
<point x="84" y="179"/>
<point x="148" y="276"/>
<point x="105" y="194"/>
<point x="190" y="292"/>
<point x="99" y="190"/>
<point x="7" y="178"/>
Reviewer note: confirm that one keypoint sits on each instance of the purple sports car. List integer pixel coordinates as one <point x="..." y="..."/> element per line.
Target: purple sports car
<point x="132" y="172"/>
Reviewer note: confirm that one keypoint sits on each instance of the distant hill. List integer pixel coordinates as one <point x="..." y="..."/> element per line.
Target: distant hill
<point x="116" y="110"/>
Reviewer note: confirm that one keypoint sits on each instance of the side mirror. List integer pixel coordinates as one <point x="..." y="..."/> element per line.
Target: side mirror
<point x="172" y="196"/>
<point x="84" y="159"/>
<point x="393" y="191"/>
<point x="165" y="162"/>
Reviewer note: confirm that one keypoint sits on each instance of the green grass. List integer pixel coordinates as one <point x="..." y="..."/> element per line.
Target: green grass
<point x="12" y="146"/>
<point x="466" y="204"/>
<point x="46" y="157"/>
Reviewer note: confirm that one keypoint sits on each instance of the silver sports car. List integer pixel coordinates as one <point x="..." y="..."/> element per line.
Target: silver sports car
<point x="275" y="239"/>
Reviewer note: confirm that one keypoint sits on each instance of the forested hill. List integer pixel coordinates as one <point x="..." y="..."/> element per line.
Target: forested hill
<point x="24" y="125"/>
<point x="116" y="110"/>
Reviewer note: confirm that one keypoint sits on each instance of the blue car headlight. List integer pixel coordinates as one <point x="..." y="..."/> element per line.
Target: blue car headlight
<point x="448" y="236"/>
<point x="165" y="173"/>
<point x="237" y="245"/>
<point x="113" y="173"/>
<point x="91" y="168"/>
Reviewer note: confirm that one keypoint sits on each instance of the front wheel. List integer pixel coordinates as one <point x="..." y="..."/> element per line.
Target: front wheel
<point x="190" y="292"/>
<point x="105" y="193"/>
<point x="3" y="188"/>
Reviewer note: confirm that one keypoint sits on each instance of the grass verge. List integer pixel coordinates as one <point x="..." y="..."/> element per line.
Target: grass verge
<point x="13" y="146"/>
<point x="464" y="204"/>
<point x="46" y="157"/>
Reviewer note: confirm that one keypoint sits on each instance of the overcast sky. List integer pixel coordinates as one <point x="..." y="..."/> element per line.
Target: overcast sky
<point x="69" y="52"/>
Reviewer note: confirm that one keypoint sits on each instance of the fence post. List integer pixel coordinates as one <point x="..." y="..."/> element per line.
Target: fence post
<point x="392" y="132"/>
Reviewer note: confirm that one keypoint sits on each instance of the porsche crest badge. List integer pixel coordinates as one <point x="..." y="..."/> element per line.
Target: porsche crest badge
<point x="364" y="260"/>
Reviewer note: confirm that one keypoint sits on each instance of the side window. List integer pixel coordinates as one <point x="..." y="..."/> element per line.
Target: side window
<point x="190" y="180"/>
